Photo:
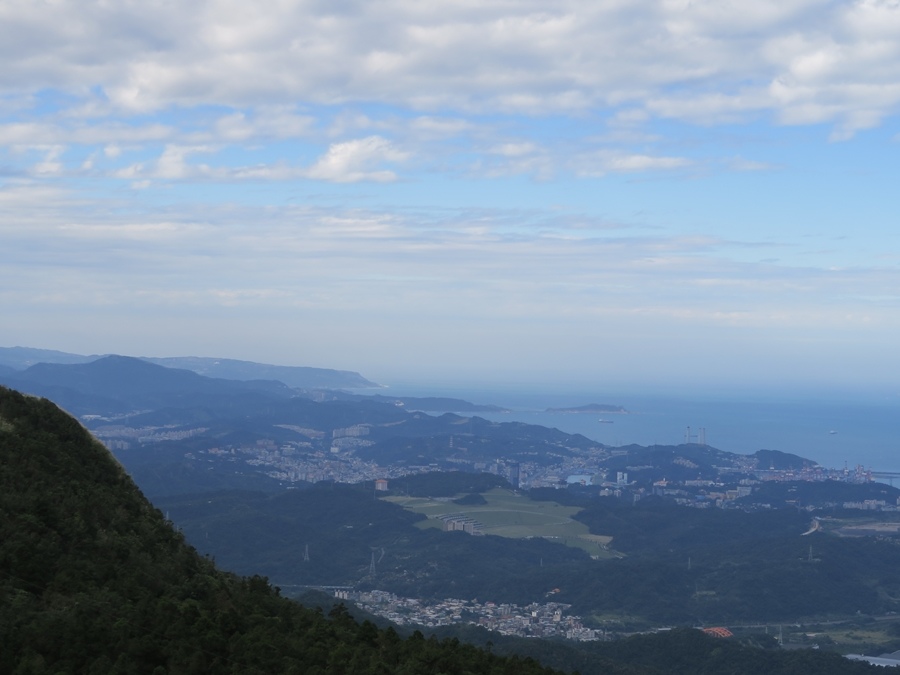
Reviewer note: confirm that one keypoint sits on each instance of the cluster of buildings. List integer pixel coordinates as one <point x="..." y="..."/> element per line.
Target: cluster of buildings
<point x="319" y="456"/>
<point x="534" y="620"/>
<point x="873" y="505"/>
<point x="119" y="437"/>
<point x="459" y="522"/>
<point x="300" y="461"/>
<point x="858" y="474"/>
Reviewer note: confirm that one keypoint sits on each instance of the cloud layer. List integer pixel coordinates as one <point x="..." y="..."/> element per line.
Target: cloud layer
<point x="471" y="285"/>
<point x="806" y="61"/>
<point x="668" y="180"/>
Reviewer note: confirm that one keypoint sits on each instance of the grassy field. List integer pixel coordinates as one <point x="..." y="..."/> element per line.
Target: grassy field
<point x="507" y="514"/>
<point x="869" y="636"/>
<point x="881" y="524"/>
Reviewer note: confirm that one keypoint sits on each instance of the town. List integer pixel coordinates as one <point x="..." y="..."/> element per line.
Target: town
<point x="693" y="475"/>
<point x="534" y="620"/>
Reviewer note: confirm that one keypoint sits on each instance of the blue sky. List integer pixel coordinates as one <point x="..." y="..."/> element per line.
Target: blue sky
<point x="639" y="194"/>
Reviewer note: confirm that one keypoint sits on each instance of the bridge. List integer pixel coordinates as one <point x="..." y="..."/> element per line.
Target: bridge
<point x="890" y="475"/>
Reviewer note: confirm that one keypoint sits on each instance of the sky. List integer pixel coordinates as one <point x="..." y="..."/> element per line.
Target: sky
<point x="645" y="194"/>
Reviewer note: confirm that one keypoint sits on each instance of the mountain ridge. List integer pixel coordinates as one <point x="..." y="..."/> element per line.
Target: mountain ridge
<point x="302" y="377"/>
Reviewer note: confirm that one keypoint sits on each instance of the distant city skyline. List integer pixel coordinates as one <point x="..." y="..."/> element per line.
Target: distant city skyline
<point x="644" y="194"/>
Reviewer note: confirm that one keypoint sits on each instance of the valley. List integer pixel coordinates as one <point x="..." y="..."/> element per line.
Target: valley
<point x="507" y="513"/>
<point x="445" y="521"/>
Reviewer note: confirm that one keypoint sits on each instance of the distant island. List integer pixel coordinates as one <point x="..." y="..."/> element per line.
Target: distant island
<point x="591" y="408"/>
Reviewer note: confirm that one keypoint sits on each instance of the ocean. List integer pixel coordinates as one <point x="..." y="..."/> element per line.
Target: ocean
<point x="835" y="432"/>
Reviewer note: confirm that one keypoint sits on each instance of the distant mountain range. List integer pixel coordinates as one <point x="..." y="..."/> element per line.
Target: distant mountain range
<point x="119" y="384"/>
<point x="141" y="409"/>
<point x="22" y="358"/>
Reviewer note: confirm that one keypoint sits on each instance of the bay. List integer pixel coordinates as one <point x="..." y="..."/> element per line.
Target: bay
<point x="833" y="431"/>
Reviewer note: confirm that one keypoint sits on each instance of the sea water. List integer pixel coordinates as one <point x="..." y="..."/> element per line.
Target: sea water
<point x="833" y="431"/>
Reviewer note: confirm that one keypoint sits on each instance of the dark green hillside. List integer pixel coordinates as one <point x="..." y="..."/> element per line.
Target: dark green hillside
<point x="422" y="439"/>
<point x="829" y="493"/>
<point x="700" y="565"/>
<point x="94" y="580"/>
<point x="673" y="462"/>
<point x="167" y="469"/>
<point x="654" y="525"/>
<point x="688" y="652"/>
<point x="682" y="565"/>
<point x="338" y="527"/>
<point x="775" y="459"/>
<point x="682" y="651"/>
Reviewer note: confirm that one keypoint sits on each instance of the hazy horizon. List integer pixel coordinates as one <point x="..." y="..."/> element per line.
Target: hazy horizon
<point x="522" y="390"/>
<point x="835" y="428"/>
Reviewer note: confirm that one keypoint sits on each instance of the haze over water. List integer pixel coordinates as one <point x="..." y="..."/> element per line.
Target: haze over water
<point x="832" y="432"/>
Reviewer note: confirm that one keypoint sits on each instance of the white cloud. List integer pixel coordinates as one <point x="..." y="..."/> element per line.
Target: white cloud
<point x="51" y="164"/>
<point x="440" y="127"/>
<point x="347" y="162"/>
<point x="515" y="149"/>
<point x="43" y="133"/>
<point x="445" y="94"/>
<point x="172" y="164"/>
<point x="518" y="275"/>
<point x="357" y="260"/>
<point x="265" y="124"/>
<point x="356" y="160"/>
<point x="606" y="161"/>
<point x="804" y="60"/>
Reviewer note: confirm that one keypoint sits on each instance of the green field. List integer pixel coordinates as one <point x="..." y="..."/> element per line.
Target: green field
<point x="869" y="635"/>
<point x="508" y="514"/>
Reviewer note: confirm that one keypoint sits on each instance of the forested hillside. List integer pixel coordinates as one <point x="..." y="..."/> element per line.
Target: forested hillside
<point x="94" y="580"/>
<point x="673" y="565"/>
